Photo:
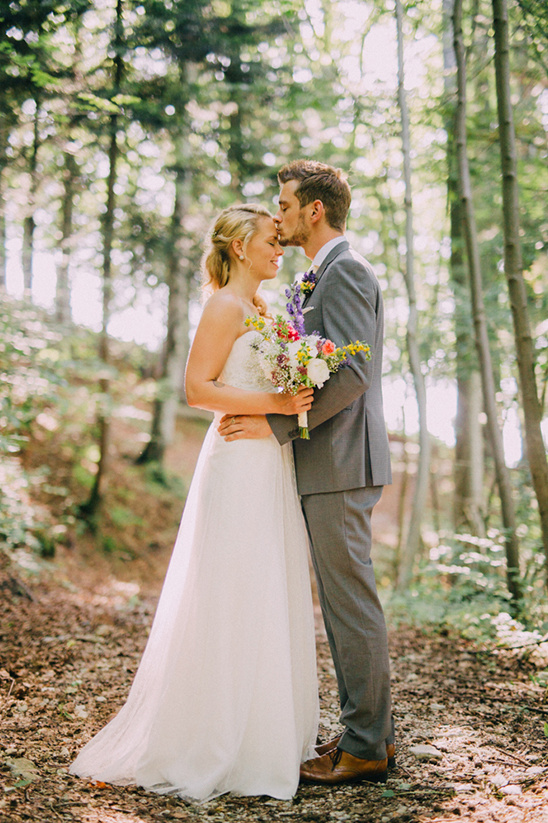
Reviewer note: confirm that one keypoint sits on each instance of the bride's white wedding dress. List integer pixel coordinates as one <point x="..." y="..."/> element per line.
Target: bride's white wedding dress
<point x="225" y="697"/>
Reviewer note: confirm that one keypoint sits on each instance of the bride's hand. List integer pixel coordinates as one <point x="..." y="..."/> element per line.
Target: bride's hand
<point x="295" y="403"/>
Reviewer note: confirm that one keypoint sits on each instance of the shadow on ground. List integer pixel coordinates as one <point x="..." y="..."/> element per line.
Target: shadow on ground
<point x="67" y="660"/>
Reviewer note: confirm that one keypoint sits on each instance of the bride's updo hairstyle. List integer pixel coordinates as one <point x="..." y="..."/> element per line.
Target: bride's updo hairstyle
<point x="239" y="222"/>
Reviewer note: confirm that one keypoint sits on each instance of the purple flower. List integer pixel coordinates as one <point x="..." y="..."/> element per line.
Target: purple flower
<point x="294" y="307"/>
<point x="308" y="282"/>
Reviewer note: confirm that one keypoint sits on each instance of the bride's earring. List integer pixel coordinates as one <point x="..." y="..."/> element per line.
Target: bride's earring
<point x="241" y="257"/>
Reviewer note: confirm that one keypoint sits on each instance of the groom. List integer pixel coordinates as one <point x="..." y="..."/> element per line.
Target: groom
<point x="342" y="468"/>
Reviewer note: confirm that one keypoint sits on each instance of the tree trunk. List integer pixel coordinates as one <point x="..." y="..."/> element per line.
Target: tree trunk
<point x="92" y="506"/>
<point x="29" y="224"/>
<point x="236" y="146"/>
<point x="28" y="250"/>
<point x="434" y="488"/>
<point x="480" y="323"/>
<point x="177" y="339"/>
<point x="3" y="239"/>
<point x="513" y="269"/>
<point x="3" y="233"/>
<point x="402" y="497"/>
<point x="421" y="488"/>
<point x="469" y="458"/>
<point x="469" y="468"/>
<point x="62" y="290"/>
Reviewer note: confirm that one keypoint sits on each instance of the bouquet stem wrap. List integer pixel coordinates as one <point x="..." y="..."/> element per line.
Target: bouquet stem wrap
<point x="303" y="426"/>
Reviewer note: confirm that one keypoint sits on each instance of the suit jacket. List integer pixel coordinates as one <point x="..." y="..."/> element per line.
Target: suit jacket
<point x="348" y="446"/>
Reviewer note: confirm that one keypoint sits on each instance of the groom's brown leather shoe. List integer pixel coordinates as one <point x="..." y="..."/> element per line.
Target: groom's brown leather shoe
<point x="323" y="748"/>
<point x="341" y="767"/>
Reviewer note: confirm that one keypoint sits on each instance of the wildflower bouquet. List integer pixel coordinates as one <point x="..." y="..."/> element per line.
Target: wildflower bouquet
<point x="290" y="358"/>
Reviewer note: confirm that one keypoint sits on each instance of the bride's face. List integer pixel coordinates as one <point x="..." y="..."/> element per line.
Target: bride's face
<point x="264" y="251"/>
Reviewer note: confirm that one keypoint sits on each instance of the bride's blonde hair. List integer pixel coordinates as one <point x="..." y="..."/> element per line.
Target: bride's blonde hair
<point x="238" y="222"/>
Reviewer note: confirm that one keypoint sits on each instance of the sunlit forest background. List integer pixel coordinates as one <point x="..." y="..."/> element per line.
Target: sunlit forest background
<point x="125" y="126"/>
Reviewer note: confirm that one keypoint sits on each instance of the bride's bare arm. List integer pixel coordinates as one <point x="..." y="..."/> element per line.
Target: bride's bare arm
<point x="220" y="324"/>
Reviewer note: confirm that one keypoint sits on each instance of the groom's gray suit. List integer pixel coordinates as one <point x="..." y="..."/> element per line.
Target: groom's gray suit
<point x="340" y="474"/>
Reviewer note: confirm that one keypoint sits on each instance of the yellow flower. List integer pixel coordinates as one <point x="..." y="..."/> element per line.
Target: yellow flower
<point x="354" y="348"/>
<point x="257" y="322"/>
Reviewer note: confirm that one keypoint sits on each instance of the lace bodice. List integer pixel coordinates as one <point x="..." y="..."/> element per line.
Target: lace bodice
<point x="242" y="368"/>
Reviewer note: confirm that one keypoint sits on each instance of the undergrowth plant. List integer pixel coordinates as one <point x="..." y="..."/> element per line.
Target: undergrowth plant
<point x="461" y="586"/>
<point x="50" y="389"/>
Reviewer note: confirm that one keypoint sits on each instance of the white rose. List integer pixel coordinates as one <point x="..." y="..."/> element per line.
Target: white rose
<point x="317" y="371"/>
<point x="291" y="351"/>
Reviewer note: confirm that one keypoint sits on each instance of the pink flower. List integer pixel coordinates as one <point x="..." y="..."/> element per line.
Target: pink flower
<point x="328" y="347"/>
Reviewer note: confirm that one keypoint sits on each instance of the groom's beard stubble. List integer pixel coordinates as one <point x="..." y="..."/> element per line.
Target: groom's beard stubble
<point x="300" y="236"/>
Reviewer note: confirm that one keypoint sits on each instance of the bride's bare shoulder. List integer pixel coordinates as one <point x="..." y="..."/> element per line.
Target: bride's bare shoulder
<point x="223" y="308"/>
<point x="223" y="304"/>
<point x="222" y="299"/>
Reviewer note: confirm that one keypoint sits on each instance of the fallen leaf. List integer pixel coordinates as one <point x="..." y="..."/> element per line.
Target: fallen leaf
<point x="23" y="768"/>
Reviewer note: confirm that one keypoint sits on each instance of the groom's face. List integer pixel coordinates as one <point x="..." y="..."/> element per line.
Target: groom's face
<point x="291" y="219"/>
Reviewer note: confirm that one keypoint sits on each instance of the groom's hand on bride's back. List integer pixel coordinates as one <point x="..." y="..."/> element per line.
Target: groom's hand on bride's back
<point x="244" y="427"/>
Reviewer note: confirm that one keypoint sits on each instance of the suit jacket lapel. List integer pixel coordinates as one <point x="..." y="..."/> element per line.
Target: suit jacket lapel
<point x="343" y="246"/>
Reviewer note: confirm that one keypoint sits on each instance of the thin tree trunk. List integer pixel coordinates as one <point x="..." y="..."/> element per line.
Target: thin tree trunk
<point x="62" y="290"/>
<point x="3" y="240"/>
<point x="28" y="250"/>
<point x="434" y="488"/>
<point x="103" y="417"/>
<point x="29" y="224"/>
<point x="423" y="468"/>
<point x="3" y="231"/>
<point x="513" y="269"/>
<point x="236" y="147"/>
<point x="71" y="179"/>
<point x="402" y="497"/>
<point x="480" y="324"/>
<point x="469" y="469"/>
<point x="91" y="507"/>
<point x="177" y="339"/>
<point x="469" y="454"/>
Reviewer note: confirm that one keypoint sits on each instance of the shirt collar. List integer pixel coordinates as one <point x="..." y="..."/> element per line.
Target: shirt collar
<point x="322" y="253"/>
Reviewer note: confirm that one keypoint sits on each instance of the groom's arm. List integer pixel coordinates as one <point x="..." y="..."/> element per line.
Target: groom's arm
<point x="350" y="306"/>
<point x="350" y="311"/>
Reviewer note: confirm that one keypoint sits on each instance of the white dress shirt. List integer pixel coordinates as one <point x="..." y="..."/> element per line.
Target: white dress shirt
<point x="322" y="253"/>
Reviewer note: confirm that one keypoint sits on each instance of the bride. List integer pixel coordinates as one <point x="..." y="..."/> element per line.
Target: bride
<point x="225" y="697"/>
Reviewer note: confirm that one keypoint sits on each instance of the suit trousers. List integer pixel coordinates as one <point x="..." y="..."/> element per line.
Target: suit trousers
<point x="339" y="528"/>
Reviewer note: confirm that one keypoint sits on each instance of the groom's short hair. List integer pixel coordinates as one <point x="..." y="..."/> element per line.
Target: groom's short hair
<point x="318" y="181"/>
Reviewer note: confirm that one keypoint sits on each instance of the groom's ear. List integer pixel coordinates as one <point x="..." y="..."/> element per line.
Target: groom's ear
<point x="317" y="210"/>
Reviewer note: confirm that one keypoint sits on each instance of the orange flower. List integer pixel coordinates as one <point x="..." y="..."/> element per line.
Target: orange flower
<point x="328" y="347"/>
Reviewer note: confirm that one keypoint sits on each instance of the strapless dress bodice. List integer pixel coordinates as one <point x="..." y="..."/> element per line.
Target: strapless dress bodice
<point x="243" y="368"/>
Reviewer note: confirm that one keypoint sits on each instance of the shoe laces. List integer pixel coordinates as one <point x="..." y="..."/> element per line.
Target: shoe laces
<point x="335" y="755"/>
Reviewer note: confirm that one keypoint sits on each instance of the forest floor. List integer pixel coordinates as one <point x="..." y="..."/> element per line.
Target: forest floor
<point x="71" y="640"/>
<point x="67" y="660"/>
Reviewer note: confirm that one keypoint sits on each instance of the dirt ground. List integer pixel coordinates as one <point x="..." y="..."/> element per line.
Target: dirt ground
<point x="70" y="644"/>
<point x="67" y="660"/>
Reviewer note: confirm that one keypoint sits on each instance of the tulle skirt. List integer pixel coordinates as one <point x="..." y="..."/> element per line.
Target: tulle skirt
<point x="225" y="697"/>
